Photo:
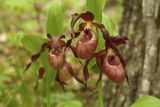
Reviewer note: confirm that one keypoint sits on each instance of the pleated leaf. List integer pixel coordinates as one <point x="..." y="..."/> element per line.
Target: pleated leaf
<point x="55" y="23"/>
<point x="147" y="101"/>
<point x="33" y="43"/>
<point x="96" y="7"/>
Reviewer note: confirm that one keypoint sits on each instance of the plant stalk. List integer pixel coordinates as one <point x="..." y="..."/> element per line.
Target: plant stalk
<point x="48" y="90"/>
<point x="100" y="94"/>
<point x="100" y="87"/>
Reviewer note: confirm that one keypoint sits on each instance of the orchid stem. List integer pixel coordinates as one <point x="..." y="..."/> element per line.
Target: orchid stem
<point x="100" y="87"/>
<point x="48" y="89"/>
<point x="100" y="94"/>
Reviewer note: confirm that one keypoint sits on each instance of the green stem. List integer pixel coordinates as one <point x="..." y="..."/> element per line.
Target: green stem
<point x="100" y="87"/>
<point x="48" y="89"/>
<point x="100" y="94"/>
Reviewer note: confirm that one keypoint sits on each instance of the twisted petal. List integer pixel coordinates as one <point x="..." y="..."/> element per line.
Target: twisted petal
<point x="72" y="73"/>
<point x="41" y="72"/>
<point x="118" y="40"/>
<point x="62" y="83"/>
<point x="75" y="17"/>
<point x="40" y="76"/>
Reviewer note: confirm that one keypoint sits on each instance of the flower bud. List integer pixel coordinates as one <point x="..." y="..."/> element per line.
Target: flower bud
<point x="56" y="58"/>
<point x="86" y="46"/>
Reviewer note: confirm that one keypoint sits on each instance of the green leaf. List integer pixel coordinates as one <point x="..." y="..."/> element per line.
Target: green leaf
<point x="101" y="41"/>
<point x="20" y="4"/>
<point x="55" y="25"/>
<point x="30" y="25"/>
<point x="72" y="103"/>
<point x="147" y="101"/>
<point x="96" y="7"/>
<point x="18" y="39"/>
<point x="63" y="96"/>
<point x="3" y="77"/>
<point x="108" y="23"/>
<point x="33" y="43"/>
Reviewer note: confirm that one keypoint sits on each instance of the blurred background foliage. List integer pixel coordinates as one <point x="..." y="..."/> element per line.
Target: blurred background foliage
<point x="21" y="17"/>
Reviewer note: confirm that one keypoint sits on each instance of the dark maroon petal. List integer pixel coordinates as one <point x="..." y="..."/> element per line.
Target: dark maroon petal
<point x="40" y="76"/>
<point x="99" y="59"/>
<point x="62" y="43"/>
<point x="28" y="65"/>
<point x="105" y="33"/>
<point x="85" y="69"/>
<point x="35" y="57"/>
<point x="62" y="37"/>
<point x="82" y="26"/>
<point x="49" y="36"/>
<point x="46" y="45"/>
<point x="88" y="16"/>
<point x="118" y="40"/>
<point x="100" y="77"/>
<point x="75" y="17"/>
<point x="99" y="26"/>
<point x="119" y="55"/>
<point x="75" y="34"/>
<point x="72" y="73"/>
<point x="74" y="51"/>
<point x="100" y="53"/>
<point x="41" y="72"/>
<point x="36" y="86"/>
<point x="127" y="77"/>
<point x="68" y="44"/>
<point x="106" y="36"/>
